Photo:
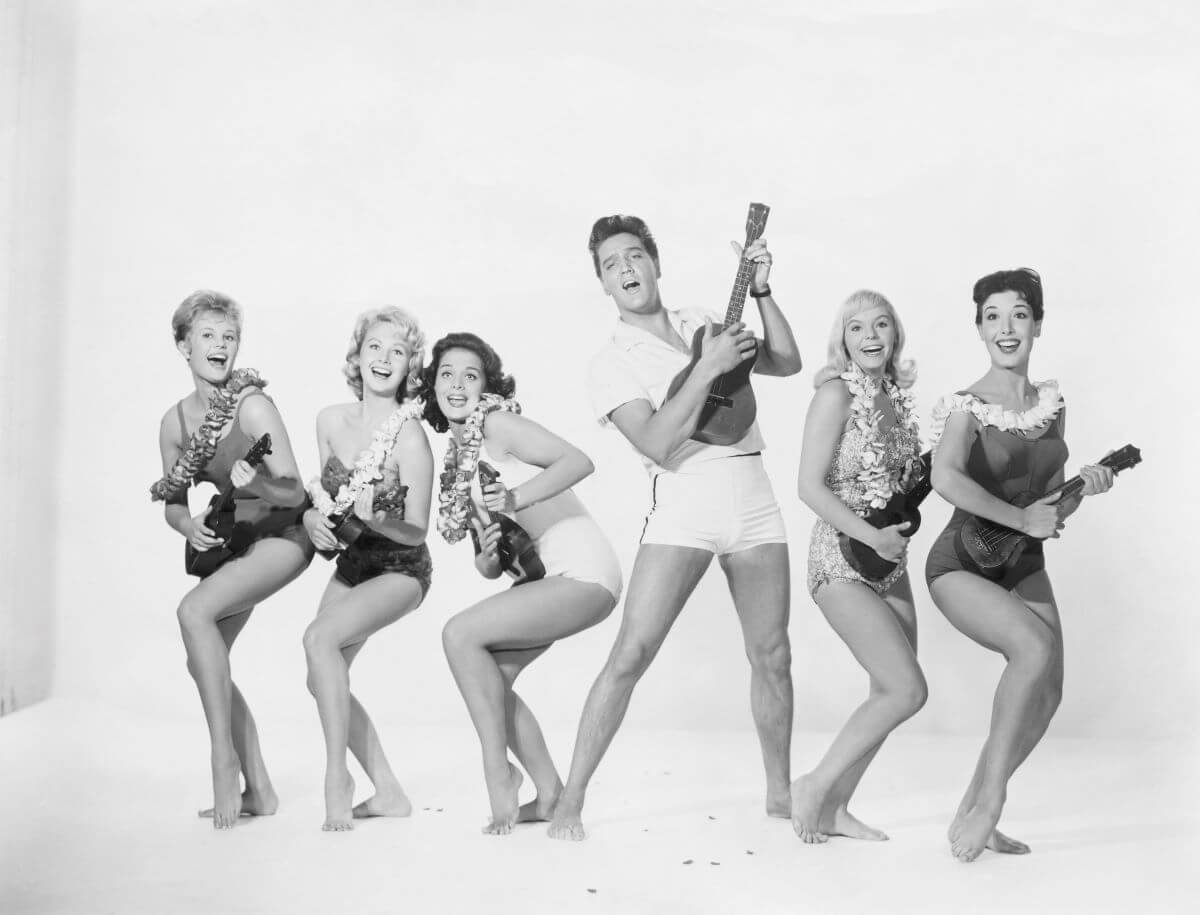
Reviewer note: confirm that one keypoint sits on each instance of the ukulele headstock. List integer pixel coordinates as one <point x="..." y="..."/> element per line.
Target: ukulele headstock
<point x="259" y="450"/>
<point x="1123" y="459"/>
<point x="756" y="222"/>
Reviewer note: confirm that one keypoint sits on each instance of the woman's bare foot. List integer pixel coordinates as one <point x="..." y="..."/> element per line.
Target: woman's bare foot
<point x="339" y="796"/>
<point x="256" y="802"/>
<point x="503" y="796"/>
<point x="1001" y="843"/>
<point x="841" y="822"/>
<point x="566" y="823"/>
<point x="227" y="793"/>
<point x="807" y="799"/>
<point x="390" y="803"/>
<point x="541" y="807"/>
<point x="974" y="832"/>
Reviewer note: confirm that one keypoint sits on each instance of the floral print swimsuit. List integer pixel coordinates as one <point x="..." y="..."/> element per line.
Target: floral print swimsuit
<point x="868" y="468"/>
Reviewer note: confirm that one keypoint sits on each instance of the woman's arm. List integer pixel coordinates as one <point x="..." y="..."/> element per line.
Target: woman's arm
<point x="412" y="460"/>
<point x="176" y="511"/>
<point x="257" y="416"/>
<point x="320" y="528"/>
<point x="823" y="428"/>
<point x="563" y="465"/>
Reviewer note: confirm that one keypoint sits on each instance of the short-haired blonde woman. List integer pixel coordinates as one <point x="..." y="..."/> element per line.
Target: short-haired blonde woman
<point x="377" y="475"/>
<point x="204" y="438"/>
<point x="861" y="446"/>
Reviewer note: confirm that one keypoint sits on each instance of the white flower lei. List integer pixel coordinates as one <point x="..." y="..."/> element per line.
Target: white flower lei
<point x="454" y="497"/>
<point x="369" y="466"/>
<point x="989" y="414"/>
<point x="876" y="479"/>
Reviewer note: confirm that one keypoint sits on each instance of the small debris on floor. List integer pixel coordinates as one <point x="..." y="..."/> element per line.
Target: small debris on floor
<point x="749" y="852"/>
<point x="591" y="890"/>
<point x="688" y="861"/>
<point x="716" y="863"/>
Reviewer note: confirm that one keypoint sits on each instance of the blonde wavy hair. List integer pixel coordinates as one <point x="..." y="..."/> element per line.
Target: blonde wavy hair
<point x="414" y="339"/>
<point x="903" y="371"/>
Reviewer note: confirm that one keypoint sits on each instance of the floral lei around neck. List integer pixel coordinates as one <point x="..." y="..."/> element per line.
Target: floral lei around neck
<point x="1049" y="402"/>
<point x="222" y="404"/>
<point x="369" y="466"/>
<point x="878" y="482"/>
<point x="460" y="463"/>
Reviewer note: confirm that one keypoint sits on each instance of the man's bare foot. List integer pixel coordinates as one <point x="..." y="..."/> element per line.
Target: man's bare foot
<point x="1001" y="843"/>
<point x="227" y="793"/>
<point x="779" y="804"/>
<point x="339" y="796"/>
<point x="807" y="799"/>
<point x="841" y="822"/>
<point x="391" y="803"/>
<point x="503" y="797"/>
<point x="255" y="803"/>
<point x="974" y="832"/>
<point x="567" y="821"/>
<point x="541" y="807"/>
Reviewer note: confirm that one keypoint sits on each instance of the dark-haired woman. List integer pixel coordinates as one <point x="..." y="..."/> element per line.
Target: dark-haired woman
<point x="999" y="438"/>
<point x="204" y="438"/>
<point x="376" y="467"/>
<point x="490" y="643"/>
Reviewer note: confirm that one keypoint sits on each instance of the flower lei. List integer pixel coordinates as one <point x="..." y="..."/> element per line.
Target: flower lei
<point x="222" y="404"/>
<point x="368" y="467"/>
<point x="878" y="482"/>
<point x="989" y="414"/>
<point x="461" y="460"/>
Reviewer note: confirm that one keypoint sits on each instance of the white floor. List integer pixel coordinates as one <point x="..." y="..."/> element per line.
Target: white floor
<point x="98" y="811"/>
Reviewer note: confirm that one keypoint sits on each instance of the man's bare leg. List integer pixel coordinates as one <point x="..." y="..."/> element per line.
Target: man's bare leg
<point x="663" y="579"/>
<point x="760" y="584"/>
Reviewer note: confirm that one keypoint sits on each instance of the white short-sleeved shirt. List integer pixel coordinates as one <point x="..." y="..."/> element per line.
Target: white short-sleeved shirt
<point x="636" y="365"/>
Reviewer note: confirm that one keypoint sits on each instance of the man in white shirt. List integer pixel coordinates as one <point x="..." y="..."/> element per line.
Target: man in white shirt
<point x="707" y="500"/>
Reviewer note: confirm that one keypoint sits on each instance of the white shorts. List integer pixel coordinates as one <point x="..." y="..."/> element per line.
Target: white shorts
<point x="576" y="548"/>
<point x="724" y="506"/>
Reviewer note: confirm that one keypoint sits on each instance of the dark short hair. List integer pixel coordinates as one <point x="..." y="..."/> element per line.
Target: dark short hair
<point x="494" y="379"/>
<point x="1024" y="281"/>
<point x="606" y="227"/>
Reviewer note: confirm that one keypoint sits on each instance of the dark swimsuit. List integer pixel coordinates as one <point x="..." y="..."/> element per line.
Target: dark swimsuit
<point x="246" y="505"/>
<point x="372" y="554"/>
<point x="1006" y="464"/>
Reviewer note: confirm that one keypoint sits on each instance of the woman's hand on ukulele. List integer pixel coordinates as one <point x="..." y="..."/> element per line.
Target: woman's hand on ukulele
<point x="201" y="537"/>
<point x="364" y="506"/>
<point x="488" y="560"/>
<point x="725" y="350"/>
<point x="498" y="498"/>
<point x="241" y="474"/>
<point x="757" y="252"/>
<point x="320" y="530"/>
<point x="1041" y="519"/>
<point x="890" y="543"/>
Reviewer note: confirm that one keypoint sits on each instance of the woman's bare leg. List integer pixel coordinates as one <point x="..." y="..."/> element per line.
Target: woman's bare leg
<point x="389" y="799"/>
<point x="1002" y="622"/>
<point x="232" y="590"/>
<point x="872" y="631"/>
<point x="530" y="616"/>
<point x="347" y="616"/>
<point x="525" y="737"/>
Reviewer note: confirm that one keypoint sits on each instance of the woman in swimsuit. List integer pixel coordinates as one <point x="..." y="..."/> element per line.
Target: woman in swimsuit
<point x="1002" y="437"/>
<point x="861" y="447"/>
<point x="230" y="409"/>
<point x="377" y="477"/>
<point x="489" y="644"/>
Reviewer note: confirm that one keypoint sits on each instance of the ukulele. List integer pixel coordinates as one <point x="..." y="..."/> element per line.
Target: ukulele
<point x="518" y="555"/>
<point x="238" y="535"/>
<point x="992" y="548"/>
<point x="903" y="506"/>
<point x="729" y="409"/>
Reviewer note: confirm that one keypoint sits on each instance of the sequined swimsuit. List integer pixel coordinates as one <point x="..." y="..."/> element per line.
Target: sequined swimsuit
<point x="373" y="554"/>
<point x="1006" y="463"/>
<point x="901" y="445"/>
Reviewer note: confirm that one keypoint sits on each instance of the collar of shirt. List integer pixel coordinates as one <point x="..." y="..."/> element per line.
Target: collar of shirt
<point x="683" y="322"/>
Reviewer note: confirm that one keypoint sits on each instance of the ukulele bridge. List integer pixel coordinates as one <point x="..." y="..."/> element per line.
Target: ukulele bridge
<point x="719" y="400"/>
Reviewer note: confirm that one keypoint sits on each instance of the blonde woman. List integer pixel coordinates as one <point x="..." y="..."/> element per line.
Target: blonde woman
<point x="861" y="446"/>
<point x="371" y="507"/>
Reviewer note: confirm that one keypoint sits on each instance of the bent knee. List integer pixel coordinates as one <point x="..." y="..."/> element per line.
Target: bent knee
<point x="629" y="660"/>
<point x="318" y="638"/>
<point x="456" y="636"/>
<point x="194" y="613"/>
<point x="907" y="695"/>
<point x="773" y="657"/>
<point x="1036" y="646"/>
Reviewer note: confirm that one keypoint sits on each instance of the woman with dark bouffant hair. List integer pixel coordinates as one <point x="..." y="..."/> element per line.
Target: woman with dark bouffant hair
<point x="993" y="441"/>
<point x="371" y="510"/>
<point x="206" y="438"/>
<point x="507" y="484"/>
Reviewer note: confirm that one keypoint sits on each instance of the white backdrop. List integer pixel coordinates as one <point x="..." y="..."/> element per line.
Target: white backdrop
<point x="313" y="159"/>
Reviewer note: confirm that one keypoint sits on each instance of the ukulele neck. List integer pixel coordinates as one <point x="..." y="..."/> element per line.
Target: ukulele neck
<point x="741" y="286"/>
